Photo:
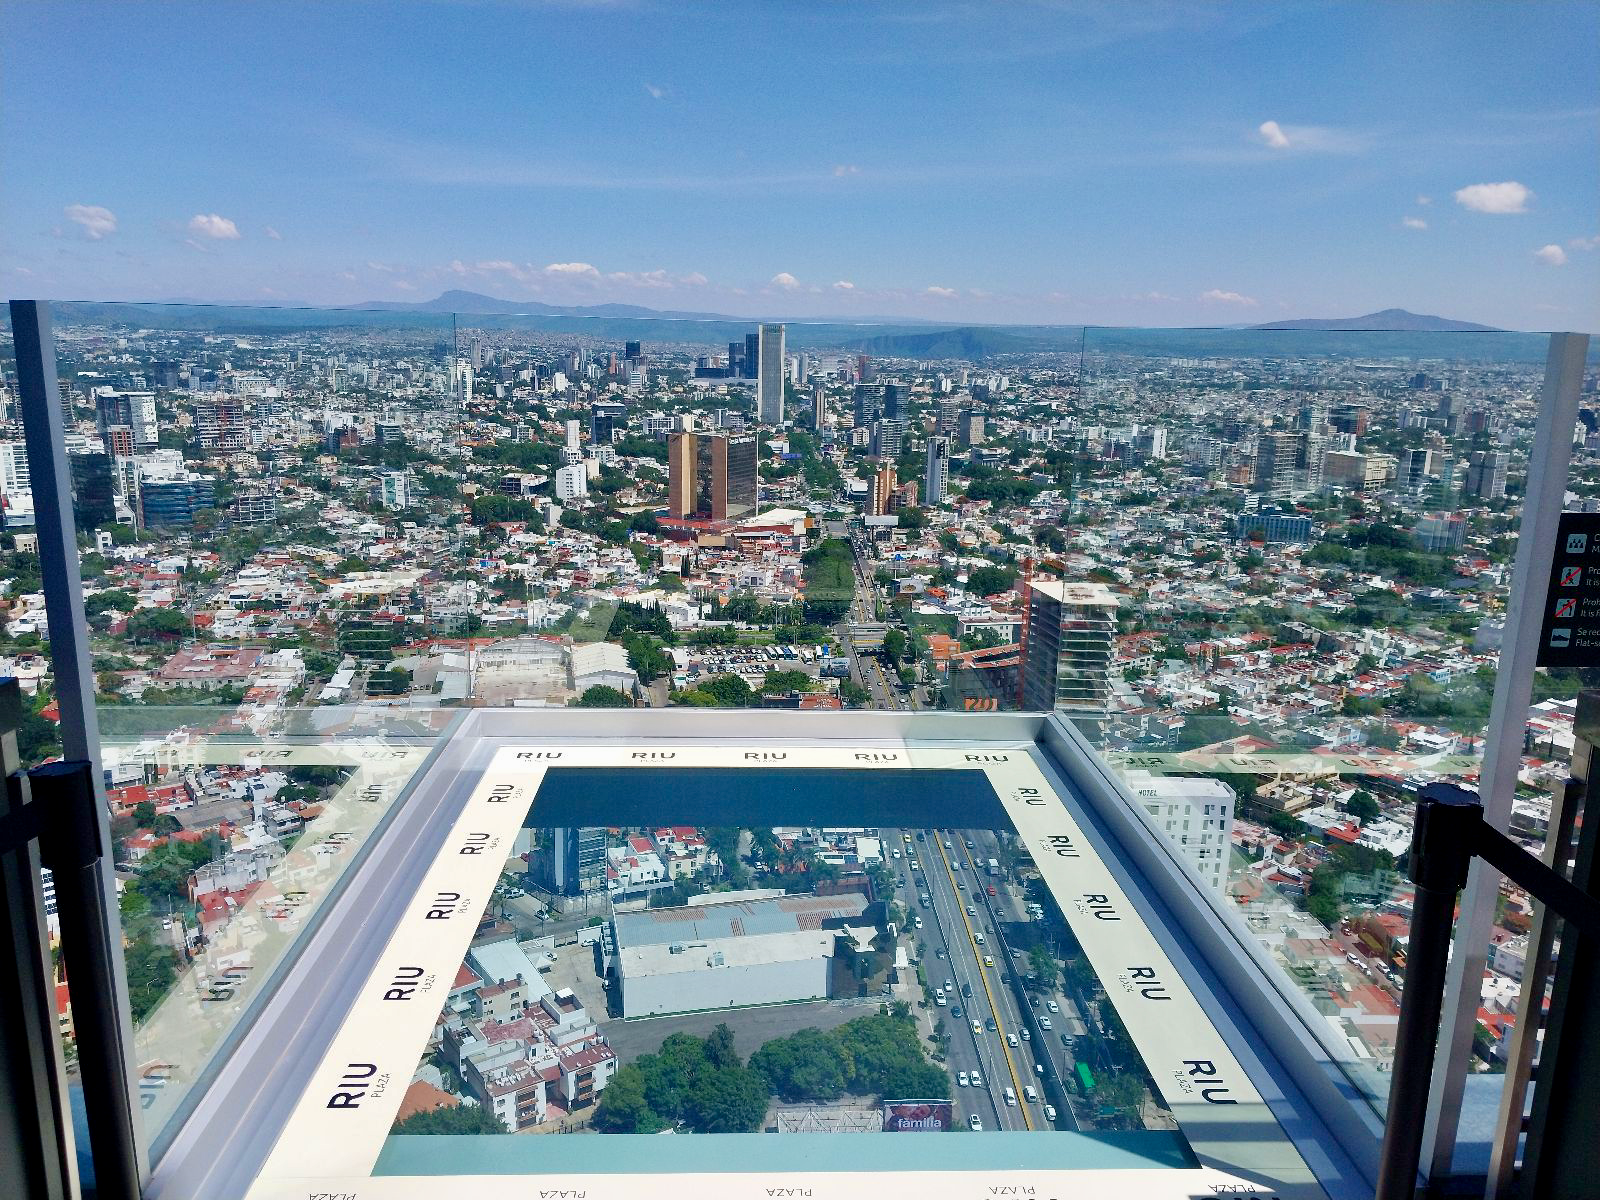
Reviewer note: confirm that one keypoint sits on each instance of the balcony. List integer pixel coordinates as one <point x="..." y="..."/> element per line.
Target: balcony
<point x="441" y="805"/>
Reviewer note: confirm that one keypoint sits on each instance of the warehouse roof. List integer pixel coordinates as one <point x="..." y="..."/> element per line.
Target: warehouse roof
<point x="709" y="955"/>
<point x="743" y="918"/>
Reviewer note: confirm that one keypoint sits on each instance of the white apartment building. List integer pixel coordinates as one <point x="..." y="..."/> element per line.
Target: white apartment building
<point x="1196" y="813"/>
<point x="572" y="482"/>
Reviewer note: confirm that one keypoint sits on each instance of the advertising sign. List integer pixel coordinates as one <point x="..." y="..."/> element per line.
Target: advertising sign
<point x="917" y="1116"/>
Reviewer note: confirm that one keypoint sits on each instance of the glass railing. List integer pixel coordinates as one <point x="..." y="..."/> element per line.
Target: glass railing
<point x="1265" y="572"/>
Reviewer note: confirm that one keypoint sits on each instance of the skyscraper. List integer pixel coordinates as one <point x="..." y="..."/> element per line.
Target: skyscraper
<point x="1486" y="474"/>
<point x="769" y="381"/>
<point x="891" y="401"/>
<point x="752" y="354"/>
<point x="606" y="419"/>
<point x="1066" y="661"/>
<point x="887" y="437"/>
<point x="938" y="474"/>
<point x="880" y="500"/>
<point x="1275" y="459"/>
<point x="711" y="477"/>
<point x="574" y="860"/>
<point x="632" y="350"/>
<point x="819" y="407"/>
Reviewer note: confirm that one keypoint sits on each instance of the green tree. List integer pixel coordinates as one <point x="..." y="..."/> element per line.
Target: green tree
<point x="988" y="581"/>
<point x="894" y="645"/>
<point x="1363" y="807"/>
<point x="156" y="624"/>
<point x="852" y="694"/>
<point x="623" y="1108"/>
<point x="781" y="683"/>
<point x="450" y="1119"/>
<point x="601" y="696"/>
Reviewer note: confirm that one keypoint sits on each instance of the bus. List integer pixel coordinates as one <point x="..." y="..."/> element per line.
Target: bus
<point x="1086" y="1079"/>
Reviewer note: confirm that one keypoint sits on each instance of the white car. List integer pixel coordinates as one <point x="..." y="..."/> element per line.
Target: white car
<point x="1044" y="1023"/>
<point x="1011" y="1040"/>
<point x="1026" y="1036"/>
<point x="974" y="1123"/>
<point x="1049" y="1112"/>
<point x="971" y="911"/>
<point x="961" y="1079"/>
<point x="1052" y="1006"/>
<point x="977" y="1079"/>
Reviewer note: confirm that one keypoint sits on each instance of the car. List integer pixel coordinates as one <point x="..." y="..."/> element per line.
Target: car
<point x="962" y="884"/>
<point x="971" y="911"/>
<point x="1052" y="1006"/>
<point x="978" y="938"/>
<point x="969" y="844"/>
<point x="1033" y="1096"/>
<point x="905" y="837"/>
<point x="897" y="851"/>
<point x="988" y="961"/>
<point x="1011" y="1097"/>
<point x="947" y="844"/>
<point x="919" y="922"/>
<point x="966" y="990"/>
<point x="938" y="951"/>
<point x="1033" y="1000"/>
<point x="961" y="1079"/>
<point x="1026" y="1036"/>
<point x="974" y="1123"/>
<point x="1044" y="1023"/>
<point x="976" y="1028"/>
<point x="977" y="1080"/>
<point x="949" y="985"/>
<point x="989" y="1024"/>
<point x="1049" y="1112"/>
<point x="1066" y="1040"/>
<point x="956" y="1011"/>
<point x="1011" y="1040"/>
<point x="991" y="889"/>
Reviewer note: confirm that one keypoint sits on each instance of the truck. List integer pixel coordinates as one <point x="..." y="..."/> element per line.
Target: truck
<point x="994" y="866"/>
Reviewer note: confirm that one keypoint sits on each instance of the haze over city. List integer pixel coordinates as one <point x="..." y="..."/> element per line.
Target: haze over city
<point x="1166" y="165"/>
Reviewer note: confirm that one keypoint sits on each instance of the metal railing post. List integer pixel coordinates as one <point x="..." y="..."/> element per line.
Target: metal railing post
<point x="1441" y="848"/>
<point x="71" y="666"/>
<point x="1542" y="503"/>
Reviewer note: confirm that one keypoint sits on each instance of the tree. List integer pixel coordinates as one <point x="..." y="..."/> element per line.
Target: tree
<point x="894" y="645"/>
<point x="1363" y="807"/>
<point x="646" y="656"/>
<point x="151" y="624"/>
<point x="781" y="683"/>
<point x="853" y="694"/>
<point x="451" y="1119"/>
<point x="988" y="581"/>
<point x="731" y="1100"/>
<point x="623" y="1108"/>
<point x="601" y="696"/>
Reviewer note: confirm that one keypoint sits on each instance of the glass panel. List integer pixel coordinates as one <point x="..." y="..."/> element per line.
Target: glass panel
<point x="229" y="471"/>
<point x="1309" y="536"/>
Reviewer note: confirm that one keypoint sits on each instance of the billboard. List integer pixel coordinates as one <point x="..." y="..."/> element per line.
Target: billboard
<point x="917" y="1116"/>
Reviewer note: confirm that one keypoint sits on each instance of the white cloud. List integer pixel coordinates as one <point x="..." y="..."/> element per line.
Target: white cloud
<point x="457" y="267"/>
<point x="1424" y="200"/>
<point x="1273" y="135"/>
<point x="844" y="285"/>
<point x="405" y="286"/>
<point x="694" y="279"/>
<point x="1582" y="243"/>
<point x="1149" y="297"/>
<point x="1413" y="223"/>
<point x="584" y="269"/>
<point x="378" y="266"/>
<point x="844" y="169"/>
<point x="943" y="293"/>
<point x="212" y="226"/>
<point x="656" y="93"/>
<point x="785" y="280"/>
<point x="1551" y="255"/>
<point x="96" y="222"/>
<point x="1218" y="296"/>
<point x="1499" y="198"/>
<point x="272" y="233"/>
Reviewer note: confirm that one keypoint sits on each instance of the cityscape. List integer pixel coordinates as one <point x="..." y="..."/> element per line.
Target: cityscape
<point x="1297" y="550"/>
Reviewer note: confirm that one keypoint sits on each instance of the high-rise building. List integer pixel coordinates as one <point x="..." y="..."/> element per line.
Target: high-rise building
<point x="1351" y="418"/>
<point x="712" y="477"/>
<point x="94" y="489"/>
<point x="574" y="860"/>
<point x="1486" y="474"/>
<point x="769" y="382"/>
<point x="752" y="355"/>
<point x="1066" y="661"/>
<point x="396" y="490"/>
<point x="970" y="428"/>
<point x="1441" y="532"/>
<point x="1196" y="814"/>
<point x="221" y="423"/>
<point x="819" y="408"/>
<point x="136" y="410"/>
<point x="891" y="401"/>
<point x="868" y="405"/>
<point x="118" y="441"/>
<point x="1276" y="453"/>
<point x="880" y="499"/>
<point x="572" y="481"/>
<point x="937" y="480"/>
<point x="632" y="350"/>
<point x="888" y="436"/>
<point x="606" y="419"/>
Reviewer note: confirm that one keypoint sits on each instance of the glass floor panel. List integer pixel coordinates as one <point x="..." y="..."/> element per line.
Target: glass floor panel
<point x="715" y="963"/>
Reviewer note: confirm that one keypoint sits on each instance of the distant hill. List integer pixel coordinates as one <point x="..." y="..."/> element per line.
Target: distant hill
<point x="476" y="304"/>
<point x="1390" y="320"/>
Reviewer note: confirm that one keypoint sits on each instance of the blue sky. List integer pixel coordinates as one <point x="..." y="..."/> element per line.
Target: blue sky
<point x="1055" y="162"/>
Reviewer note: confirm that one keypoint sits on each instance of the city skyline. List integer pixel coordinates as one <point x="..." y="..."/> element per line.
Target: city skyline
<point x="1181" y="165"/>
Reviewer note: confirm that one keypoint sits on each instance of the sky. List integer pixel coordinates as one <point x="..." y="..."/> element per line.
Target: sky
<point x="1024" y="162"/>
